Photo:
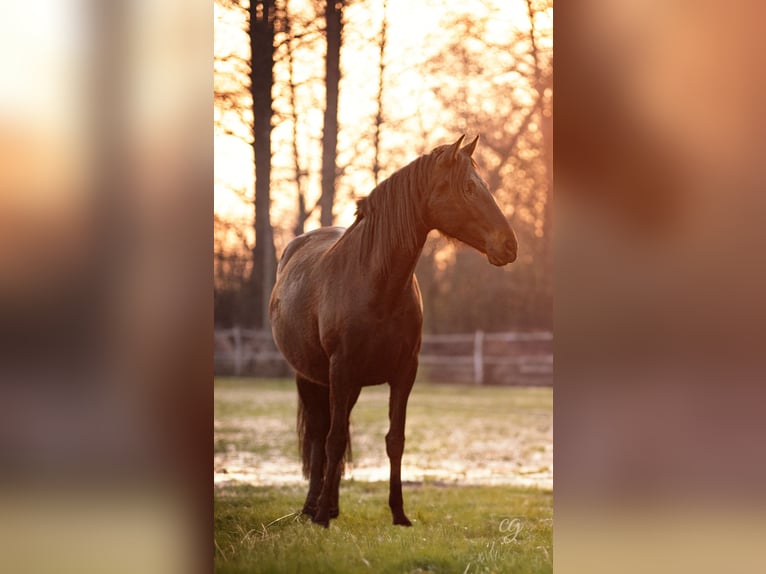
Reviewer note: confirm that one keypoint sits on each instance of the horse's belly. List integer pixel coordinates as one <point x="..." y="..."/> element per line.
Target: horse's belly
<point x="311" y="322"/>
<point x="296" y="335"/>
<point x="389" y="357"/>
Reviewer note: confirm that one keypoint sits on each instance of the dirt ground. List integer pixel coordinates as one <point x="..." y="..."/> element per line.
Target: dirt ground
<point x="455" y="434"/>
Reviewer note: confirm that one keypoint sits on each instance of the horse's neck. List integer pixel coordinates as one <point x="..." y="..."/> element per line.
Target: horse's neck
<point x="390" y="232"/>
<point x="401" y="263"/>
<point x="389" y="267"/>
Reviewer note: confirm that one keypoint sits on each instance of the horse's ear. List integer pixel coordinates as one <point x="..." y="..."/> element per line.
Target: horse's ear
<point x="453" y="150"/>
<point x="469" y="149"/>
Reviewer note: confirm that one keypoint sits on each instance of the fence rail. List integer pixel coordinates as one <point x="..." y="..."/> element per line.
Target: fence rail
<point x="509" y="358"/>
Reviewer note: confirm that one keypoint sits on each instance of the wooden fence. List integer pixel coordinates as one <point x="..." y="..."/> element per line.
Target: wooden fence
<point x="511" y="358"/>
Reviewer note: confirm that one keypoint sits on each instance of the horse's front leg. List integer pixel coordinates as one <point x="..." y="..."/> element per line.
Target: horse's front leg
<point x="397" y="412"/>
<point x="353" y="395"/>
<point x="341" y="395"/>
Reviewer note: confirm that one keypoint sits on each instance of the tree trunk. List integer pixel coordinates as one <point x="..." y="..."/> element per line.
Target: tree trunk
<point x="379" y="99"/>
<point x="334" y="21"/>
<point x="262" y="14"/>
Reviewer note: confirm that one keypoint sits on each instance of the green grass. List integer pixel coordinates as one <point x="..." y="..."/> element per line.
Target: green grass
<point x="455" y="529"/>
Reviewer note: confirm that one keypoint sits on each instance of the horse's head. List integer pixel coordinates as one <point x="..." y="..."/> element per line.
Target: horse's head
<point x="461" y="206"/>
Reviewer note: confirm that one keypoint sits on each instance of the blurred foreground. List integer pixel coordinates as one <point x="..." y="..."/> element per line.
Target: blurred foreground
<point x="659" y="283"/>
<point x="105" y="289"/>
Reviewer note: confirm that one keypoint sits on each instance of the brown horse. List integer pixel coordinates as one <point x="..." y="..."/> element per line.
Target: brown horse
<point x="346" y="309"/>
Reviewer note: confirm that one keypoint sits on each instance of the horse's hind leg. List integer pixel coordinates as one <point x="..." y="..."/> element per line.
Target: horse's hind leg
<point x="397" y="411"/>
<point x="313" y="426"/>
<point x="342" y="391"/>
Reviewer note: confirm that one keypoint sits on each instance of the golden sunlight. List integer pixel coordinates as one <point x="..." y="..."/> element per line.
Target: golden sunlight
<point x="419" y="32"/>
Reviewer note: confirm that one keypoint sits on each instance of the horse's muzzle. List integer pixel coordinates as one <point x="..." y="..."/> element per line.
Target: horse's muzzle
<point x="502" y="254"/>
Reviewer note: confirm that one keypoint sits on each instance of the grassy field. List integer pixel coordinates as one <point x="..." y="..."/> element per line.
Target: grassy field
<point x="455" y="529"/>
<point x="469" y="453"/>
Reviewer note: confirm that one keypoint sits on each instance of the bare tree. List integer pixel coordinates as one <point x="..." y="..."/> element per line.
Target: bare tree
<point x="263" y="15"/>
<point x="234" y="99"/>
<point x="379" y="98"/>
<point x="543" y="87"/>
<point x="507" y="100"/>
<point x="334" y="28"/>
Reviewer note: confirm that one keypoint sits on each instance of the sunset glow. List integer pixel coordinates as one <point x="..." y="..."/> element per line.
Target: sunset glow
<point x="418" y="32"/>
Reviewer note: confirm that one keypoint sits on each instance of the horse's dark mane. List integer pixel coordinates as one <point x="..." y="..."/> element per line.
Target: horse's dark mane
<point x="392" y="213"/>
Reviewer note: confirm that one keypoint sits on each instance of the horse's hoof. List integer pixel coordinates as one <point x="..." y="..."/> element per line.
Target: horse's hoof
<point x="402" y="521"/>
<point x="334" y="512"/>
<point x="309" y="511"/>
<point x="321" y="521"/>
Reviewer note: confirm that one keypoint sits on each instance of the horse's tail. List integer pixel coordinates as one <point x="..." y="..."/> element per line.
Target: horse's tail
<point x="313" y="422"/>
<point x="307" y="413"/>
